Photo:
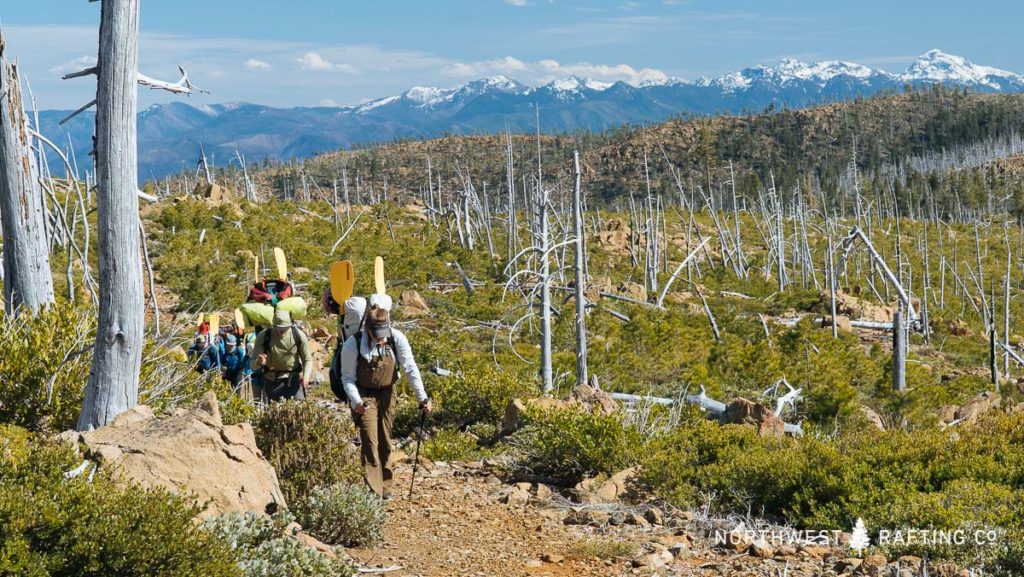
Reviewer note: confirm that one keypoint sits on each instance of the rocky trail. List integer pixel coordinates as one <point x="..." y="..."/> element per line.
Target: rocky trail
<point x="464" y="520"/>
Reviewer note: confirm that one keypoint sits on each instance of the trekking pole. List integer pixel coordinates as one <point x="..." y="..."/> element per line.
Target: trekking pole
<point x="416" y="460"/>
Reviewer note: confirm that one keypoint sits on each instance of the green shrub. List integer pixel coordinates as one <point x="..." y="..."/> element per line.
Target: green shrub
<point x="50" y="525"/>
<point x="569" y="444"/>
<point x="45" y="366"/>
<point x="265" y="551"/>
<point x="308" y="444"/>
<point x="343" y="514"/>
<point x="450" y="445"/>
<point x="480" y="395"/>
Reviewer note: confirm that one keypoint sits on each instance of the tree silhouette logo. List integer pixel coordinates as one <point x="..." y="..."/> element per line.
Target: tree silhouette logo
<point x="860" y="540"/>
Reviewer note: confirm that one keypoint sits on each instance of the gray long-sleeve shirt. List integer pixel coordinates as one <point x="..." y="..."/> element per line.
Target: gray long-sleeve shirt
<point x="350" y="357"/>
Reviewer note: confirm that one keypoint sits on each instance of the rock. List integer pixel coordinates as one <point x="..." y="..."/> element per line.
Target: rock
<point x="615" y="487"/>
<point x="516" y="498"/>
<point x="873" y="566"/>
<point x="972" y="410"/>
<point x="654" y="516"/>
<point x="214" y="192"/>
<point x="594" y="400"/>
<point x="525" y="487"/>
<point x="636" y="519"/>
<point x="312" y="542"/>
<point x="815" y="551"/>
<point x="761" y="548"/>
<point x="189" y="452"/>
<point x="960" y="328"/>
<point x="587" y="517"/>
<point x="321" y="334"/>
<point x="543" y="492"/>
<point x="552" y="558"/>
<point x="842" y="322"/>
<point x="413" y="304"/>
<point x="744" y="412"/>
<point x="635" y="291"/>
<point x="947" y="414"/>
<point x="615" y="237"/>
<point x="654" y="560"/>
<point x="873" y="418"/>
<point x="854" y="307"/>
<point x="848" y="565"/>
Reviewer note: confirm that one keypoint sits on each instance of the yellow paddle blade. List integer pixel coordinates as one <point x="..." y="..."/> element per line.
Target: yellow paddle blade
<point x="255" y="268"/>
<point x="214" y="323"/>
<point x="378" y="276"/>
<point x="240" y="319"/>
<point x="282" y="264"/>
<point x="343" y="281"/>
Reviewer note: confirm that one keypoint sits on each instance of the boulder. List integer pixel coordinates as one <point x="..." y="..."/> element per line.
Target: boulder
<point x="842" y="322"/>
<point x="594" y="400"/>
<point x="982" y="404"/>
<point x="615" y="487"/>
<point x="635" y="291"/>
<point x="413" y="304"/>
<point x="744" y="412"/>
<point x="873" y="418"/>
<point x="190" y="452"/>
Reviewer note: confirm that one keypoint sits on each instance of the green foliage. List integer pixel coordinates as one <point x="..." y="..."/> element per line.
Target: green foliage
<point x="45" y="366"/>
<point x="927" y="479"/>
<point x="343" y="514"/>
<point x="479" y="395"/>
<point x="265" y="551"/>
<point x="73" y="527"/>
<point x="450" y="445"/>
<point x="569" y="444"/>
<point x="308" y="444"/>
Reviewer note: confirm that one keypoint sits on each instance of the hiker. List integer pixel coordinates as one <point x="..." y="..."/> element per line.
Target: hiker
<point x="204" y="354"/>
<point x="234" y="362"/>
<point x="369" y="365"/>
<point x="283" y="359"/>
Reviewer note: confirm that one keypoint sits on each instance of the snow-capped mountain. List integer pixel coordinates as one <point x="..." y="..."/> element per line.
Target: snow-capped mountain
<point x="170" y="134"/>
<point x="937" y="66"/>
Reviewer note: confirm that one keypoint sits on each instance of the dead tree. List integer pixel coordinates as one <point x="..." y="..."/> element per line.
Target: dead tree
<point x="581" y="301"/>
<point x="26" y="258"/>
<point x="114" y="378"/>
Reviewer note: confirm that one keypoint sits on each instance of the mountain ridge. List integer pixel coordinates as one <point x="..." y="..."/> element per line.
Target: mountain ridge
<point x="171" y="134"/>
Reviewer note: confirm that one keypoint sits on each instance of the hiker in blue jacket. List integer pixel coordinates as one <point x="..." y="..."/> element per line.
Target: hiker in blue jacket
<point x="204" y="354"/>
<point x="234" y="362"/>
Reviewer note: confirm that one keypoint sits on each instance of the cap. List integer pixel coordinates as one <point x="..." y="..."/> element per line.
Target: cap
<point x="282" y="319"/>
<point x="231" y="340"/>
<point x="380" y="329"/>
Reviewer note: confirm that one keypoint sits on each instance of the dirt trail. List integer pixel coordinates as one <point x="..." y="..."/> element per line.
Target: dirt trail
<point x="455" y="524"/>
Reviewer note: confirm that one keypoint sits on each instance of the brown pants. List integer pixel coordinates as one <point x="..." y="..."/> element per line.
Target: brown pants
<point x="375" y="437"/>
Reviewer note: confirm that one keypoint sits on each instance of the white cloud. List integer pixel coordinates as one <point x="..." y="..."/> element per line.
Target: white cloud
<point x="517" y="2"/>
<point x="313" y="61"/>
<point x="544" y="71"/>
<point x="254" y="64"/>
<point x="328" y="102"/>
<point x="80" y="63"/>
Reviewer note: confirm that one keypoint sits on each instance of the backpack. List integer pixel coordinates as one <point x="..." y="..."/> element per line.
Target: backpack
<point x="270" y="291"/>
<point x="295" y="335"/>
<point x="337" y="386"/>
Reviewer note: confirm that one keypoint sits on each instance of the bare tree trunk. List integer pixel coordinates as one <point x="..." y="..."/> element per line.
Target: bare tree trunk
<point x="581" y="304"/>
<point x="26" y="258"/>
<point x="114" y="379"/>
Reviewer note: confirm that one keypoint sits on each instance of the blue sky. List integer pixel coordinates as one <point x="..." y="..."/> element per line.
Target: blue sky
<point x="324" y="52"/>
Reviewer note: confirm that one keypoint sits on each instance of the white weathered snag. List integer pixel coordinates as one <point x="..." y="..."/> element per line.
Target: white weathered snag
<point x="26" y="260"/>
<point x="114" y="380"/>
